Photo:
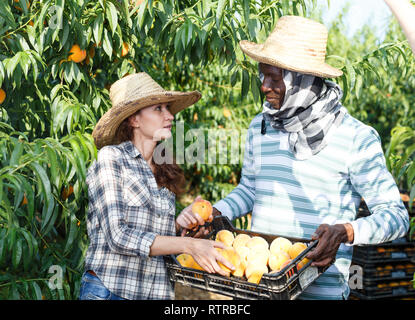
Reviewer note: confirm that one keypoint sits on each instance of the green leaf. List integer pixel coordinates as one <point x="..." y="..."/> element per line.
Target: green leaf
<point x="245" y="83"/>
<point x="142" y="13"/>
<point x="73" y="232"/>
<point x="219" y="12"/>
<point x="112" y="16"/>
<point x="17" y="152"/>
<point x="17" y="253"/>
<point x="107" y="45"/>
<point x="7" y="15"/>
<point x="36" y="290"/>
<point x="98" y="28"/>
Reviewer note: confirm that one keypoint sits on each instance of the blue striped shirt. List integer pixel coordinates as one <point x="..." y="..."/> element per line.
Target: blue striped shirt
<point x="291" y="198"/>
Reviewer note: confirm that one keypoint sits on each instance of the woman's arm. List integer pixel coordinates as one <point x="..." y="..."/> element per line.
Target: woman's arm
<point x="203" y="251"/>
<point x="404" y="11"/>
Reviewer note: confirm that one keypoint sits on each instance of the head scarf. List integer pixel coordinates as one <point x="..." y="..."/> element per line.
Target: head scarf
<point x="311" y="108"/>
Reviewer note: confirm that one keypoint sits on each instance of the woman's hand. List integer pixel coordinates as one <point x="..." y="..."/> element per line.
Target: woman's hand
<point x="187" y="221"/>
<point x="205" y="254"/>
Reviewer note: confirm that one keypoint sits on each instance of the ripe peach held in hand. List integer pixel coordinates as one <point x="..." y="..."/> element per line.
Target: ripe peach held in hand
<point x="232" y="256"/>
<point x="187" y="261"/>
<point x="203" y="208"/>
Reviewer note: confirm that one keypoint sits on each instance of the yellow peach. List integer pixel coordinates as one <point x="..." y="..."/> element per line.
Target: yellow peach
<point x="280" y="243"/>
<point x="225" y="236"/>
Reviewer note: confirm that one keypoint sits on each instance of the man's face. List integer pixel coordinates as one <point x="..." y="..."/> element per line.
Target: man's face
<point x="273" y="85"/>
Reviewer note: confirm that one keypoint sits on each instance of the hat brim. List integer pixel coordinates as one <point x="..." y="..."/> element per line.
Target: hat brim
<point x="107" y="126"/>
<point x="255" y="51"/>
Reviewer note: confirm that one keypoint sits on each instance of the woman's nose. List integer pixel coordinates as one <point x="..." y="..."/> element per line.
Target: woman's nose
<point x="168" y="115"/>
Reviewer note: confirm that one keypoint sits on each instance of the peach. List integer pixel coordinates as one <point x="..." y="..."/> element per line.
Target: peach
<point x="259" y="253"/>
<point x="295" y="250"/>
<point x="280" y="243"/>
<point x="243" y="252"/>
<point x="257" y="241"/>
<point x="232" y="256"/>
<point x="203" y="208"/>
<point x="254" y="271"/>
<point x="241" y="240"/>
<point x="186" y="260"/>
<point x="277" y="260"/>
<point x="240" y="270"/>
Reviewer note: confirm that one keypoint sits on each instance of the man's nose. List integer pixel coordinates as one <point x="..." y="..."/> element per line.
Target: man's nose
<point x="265" y="87"/>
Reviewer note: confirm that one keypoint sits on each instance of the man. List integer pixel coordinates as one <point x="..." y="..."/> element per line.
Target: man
<point x="404" y="11"/>
<point x="308" y="163"/>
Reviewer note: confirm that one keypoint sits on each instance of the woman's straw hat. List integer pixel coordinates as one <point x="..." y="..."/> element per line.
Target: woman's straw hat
<point x="296" y="44"/>
<point x="132" y="93"/>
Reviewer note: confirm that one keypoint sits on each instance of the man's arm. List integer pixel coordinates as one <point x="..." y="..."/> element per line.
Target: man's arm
<point x="404" y="12"/>
<point x="370" y="177"/>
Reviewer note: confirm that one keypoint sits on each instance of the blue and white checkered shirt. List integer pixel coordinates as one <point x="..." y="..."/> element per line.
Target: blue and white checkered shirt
<point x="126" y="212"/>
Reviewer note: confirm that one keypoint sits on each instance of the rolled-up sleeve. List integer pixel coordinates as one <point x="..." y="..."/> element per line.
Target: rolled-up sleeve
<point x="370" y="177"/>
<point x="110" y="207"/>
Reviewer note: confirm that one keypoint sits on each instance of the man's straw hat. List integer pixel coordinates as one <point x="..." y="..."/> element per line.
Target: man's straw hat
<point x="296" y="44"/>
<point x="132" y="93"/>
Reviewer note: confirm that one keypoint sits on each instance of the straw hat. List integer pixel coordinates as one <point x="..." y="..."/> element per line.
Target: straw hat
<point x="132" y="93"/>
<point x="296" y="44"/>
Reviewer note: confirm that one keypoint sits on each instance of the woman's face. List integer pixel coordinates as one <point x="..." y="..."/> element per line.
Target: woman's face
<point x="153" y="122"/>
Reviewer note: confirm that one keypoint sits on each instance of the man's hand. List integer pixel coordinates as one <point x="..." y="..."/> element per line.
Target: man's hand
<point x="215" y="212"/>
<point x="330" y="238"/>
<point x="187" y="221"/>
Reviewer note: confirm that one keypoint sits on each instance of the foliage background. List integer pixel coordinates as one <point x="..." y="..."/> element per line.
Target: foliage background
<point x="52" y="106"/>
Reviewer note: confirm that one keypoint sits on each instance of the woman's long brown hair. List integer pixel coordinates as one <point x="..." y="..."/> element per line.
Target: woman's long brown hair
<point x="170" y="176"/>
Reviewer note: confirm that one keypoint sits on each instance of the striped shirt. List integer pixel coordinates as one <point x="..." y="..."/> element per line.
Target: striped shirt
<point x="126" y="212"/>
<point x="291" y="198"/>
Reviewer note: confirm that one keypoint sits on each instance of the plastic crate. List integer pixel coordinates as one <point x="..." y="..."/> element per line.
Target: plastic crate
<point x="387" y="271"/>
<point x="398" y="250"/>
<point x="382" y="289"/>
<point x="287" y="284"/>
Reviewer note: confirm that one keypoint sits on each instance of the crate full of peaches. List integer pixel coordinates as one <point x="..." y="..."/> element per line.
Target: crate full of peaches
<point x="259" y="259"/>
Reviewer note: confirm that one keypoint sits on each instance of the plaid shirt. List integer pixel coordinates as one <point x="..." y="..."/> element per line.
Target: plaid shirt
<point x="126" y="212"/>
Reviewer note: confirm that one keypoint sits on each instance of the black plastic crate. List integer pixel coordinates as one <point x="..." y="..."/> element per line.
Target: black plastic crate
<point x="398" y="250"/>
<point x="383" y="289"/>
<point x="287" y="284"/>
<point x="386" y="271"/>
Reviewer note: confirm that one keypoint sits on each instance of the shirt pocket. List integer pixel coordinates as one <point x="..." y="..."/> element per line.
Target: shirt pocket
<point x="168" y="201"/>
<point x="136" y="193"/>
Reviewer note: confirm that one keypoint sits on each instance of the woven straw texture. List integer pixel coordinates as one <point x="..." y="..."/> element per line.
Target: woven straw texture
<point x="296" y="44"/>
<point x="132" y="93"/>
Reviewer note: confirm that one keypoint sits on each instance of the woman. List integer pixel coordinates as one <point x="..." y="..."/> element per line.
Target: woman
<point x="131" y="215"/>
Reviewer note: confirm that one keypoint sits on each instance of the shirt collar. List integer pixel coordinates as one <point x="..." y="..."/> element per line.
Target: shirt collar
<point x="131" y="149"/>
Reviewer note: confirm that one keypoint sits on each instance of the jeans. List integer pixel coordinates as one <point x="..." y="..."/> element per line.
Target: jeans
<point x="92" y="288"/>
